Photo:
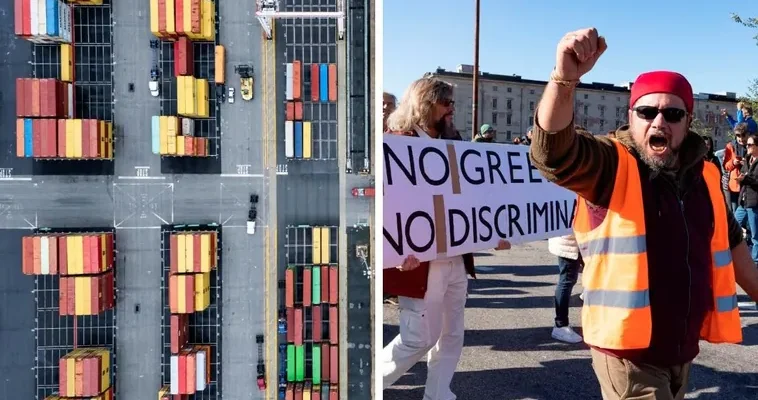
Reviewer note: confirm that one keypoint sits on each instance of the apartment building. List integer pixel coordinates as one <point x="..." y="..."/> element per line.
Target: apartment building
<point x="508" y="102"/>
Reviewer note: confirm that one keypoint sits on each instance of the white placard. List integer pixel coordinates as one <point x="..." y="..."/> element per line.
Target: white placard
<point x="447" y="198"/>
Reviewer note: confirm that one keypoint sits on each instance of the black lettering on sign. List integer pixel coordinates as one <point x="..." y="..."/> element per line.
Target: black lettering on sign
<point x="403" y="233"/>
<point x="409" y="171"/>
<point x="533" y="178"/>
<point x="494" y="162"/>
<point x="500" y="225"/>
<point x="465" y="171"/>
<point x="423" y="168"/>
<point x="462" y="225"/>
<point x="514" y="166"/>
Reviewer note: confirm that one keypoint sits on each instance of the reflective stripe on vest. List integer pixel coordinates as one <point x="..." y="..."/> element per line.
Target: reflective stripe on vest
<point x="616" y="312"/>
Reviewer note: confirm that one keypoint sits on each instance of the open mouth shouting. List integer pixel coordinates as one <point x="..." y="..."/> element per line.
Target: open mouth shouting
<point x="659" y="143"/>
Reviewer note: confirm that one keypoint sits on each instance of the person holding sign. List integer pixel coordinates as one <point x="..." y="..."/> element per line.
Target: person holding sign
<point x="662" y="253"/>
<point x="431" y="294"/>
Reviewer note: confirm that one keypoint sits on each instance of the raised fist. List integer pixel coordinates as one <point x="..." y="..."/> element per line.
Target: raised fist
<point x="577" y="53"/>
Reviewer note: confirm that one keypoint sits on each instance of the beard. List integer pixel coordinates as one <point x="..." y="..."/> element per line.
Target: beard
<point x="654" y="162"/>
<point x="444" y="127"/>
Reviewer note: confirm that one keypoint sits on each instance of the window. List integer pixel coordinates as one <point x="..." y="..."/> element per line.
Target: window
<point x="586" y="96"/>
<point x="586" y="110"/>
<point x="531" y="106"/>
<point x="494" y="103"/>
<point x="494" y="118"/>
<point x="618" y="98"/>
<point x="602" y="110"/>
<point x="602" y="125"/>
<point x="531" y="91"/>
<point x="509" y="104"/>
<point x="618" y="112"/>
<point x="508" y="134"/>
<point x="508" y="119"/>
<point x="494" y="88"/>
<point x="531" y="121"/>
<point x="509" y="90"/>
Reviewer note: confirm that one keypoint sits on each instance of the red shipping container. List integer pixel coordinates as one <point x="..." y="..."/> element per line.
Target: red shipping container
<point x="289" y="287"/>
<point x="290" y="394"/>
<point x="63" y="296"/>
<point x="298" y="110"/>
<point x="27" y="259"/>
<point x="37" y="264"/>
<point x="29" y="100"/>
<point x="53" y="255"/>
<point x="18" y="17"/>
<point x="195" y="9"/>
<point x="191" y="373"/>
<point x="94" y="138"/>
<point x="45" y="133"/>
<point x="48" y="97"/>
<point x="86" y="133"/>
<point x="179" y="11"/>
<point x="333" y="325"/>
<point x="298" y="326"/>
<point x="314" y="82"/>
<point x="332" y="82"/>
<point x="35" y="97"/>
<point x="290" y="325"/>
<point x="71" y="292"/>
<point x="62" y="373"/>
<point x="179" y="326"/>
<point x="316" y="320"/>
<point x="96" y="254"/>
<point x="27" y="17"/>
<point x="189" y="146"/>
<point x="21" y="95"/>
<point x="62" y="255"/>
<point x="297" y="72"/>
<point x="51" y="137"/>
<point x="61" y="138"/>
<point x="196" y="247"/>
<point x="324" y="284"/>
<point x="61" y="97"/>
<point x="183" y="57"/>
<point x="334" y="394"/>
<point x="333" y="285"/>
<point x="201" y="145"/>
<point x="290" y="111"/>
<point x="307" y="286"/>
<point x="183" y="373"/>
<point x="162" y="18"/>
<point x="316" y="394"/>
<point x="325" y="362"/>
<point x="298" y="391"/>
<point x="173" y="251"/>
<point x="334" y="362"/>
<point x="86" y="262"/>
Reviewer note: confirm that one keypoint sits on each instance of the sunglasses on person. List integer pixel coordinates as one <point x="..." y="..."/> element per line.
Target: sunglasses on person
<point x="750" y="145"/>
<point x="446" y="102"/>
<point x="670" y="114"/>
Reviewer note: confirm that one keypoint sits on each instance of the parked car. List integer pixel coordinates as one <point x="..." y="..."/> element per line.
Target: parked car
<point x="251" y="217"/>
<point x="230" y="96"/>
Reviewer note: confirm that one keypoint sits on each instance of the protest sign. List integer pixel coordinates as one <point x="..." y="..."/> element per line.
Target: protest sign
<point x="447" y="198"/>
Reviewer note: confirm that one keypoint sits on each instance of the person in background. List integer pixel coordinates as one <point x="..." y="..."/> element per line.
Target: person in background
<point x="662" y="254"/>
<point x="527" y="139"/>
<point x="569" y="265"/>
<point x="517" y="140"/>
<point x="431" y="294"/>
<point x="486" y="134"/>
<point x="734" y="154"/>
<point x="747" y="209"/>
<point x="389" y="103"/>
<point x="744" y="114"/>
<point x="710" y="155"/>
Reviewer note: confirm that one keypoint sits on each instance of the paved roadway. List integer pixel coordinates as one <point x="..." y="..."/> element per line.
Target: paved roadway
<point x="509" y="354"/>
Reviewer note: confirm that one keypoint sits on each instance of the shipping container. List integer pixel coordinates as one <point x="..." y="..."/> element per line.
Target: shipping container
<point x="43" y="21"/>
<point x="18" y="17"/>
<point x="307" y="140"/>
<point x="202" y="291"/>
<point x="316" y="244"/>
<point x="333" y="285"/>
<point x="76" y="138"/>
<point x="290" y="392"/>
<point x="333" y="325"/>
<point x="87" y="134"/>
<point x="171" y="18"/>
<point x="20" y="152"/>
<point x="299" y="363"/>
<point x="333" y="83"/>
<point x="179" y="332"/>
<point x="182" y="294"/>
<point x="70" y="104"/>
<point x="107" y="395"/>
<point x="325" y="353"/>
<point x="334" y="393"/>
<point x="192" y="252"/>
<point x="155" y="128"/>
<point x="61" y="138"/>
<point x="21" y="96"/>
<point x="316" y="394"/>
<point x="68" y="257"/>
<point x="203" y="110"/>
<point x="307" y="286"/>
<point x="290" y="363"/>
<point x="324" y="283"/>
<point x="317" y="323"/>
<point x="208" y="21"/>
<point x="298" y="391"/>
<point x="37" y="137"/>
<point x="35" y="96"/>
<point x="220" y="73"/>
<point x="316" y="363"/>
<point x="203" y="366"/>
<point x="316" y="290"/>
<point x="297" y="71"/>
<point x="289" y="139"/>
<point x="183" y="57"/>
<point x="289" y="113"/>
<point x="307" y="391"/>
<point x="314" y="82"/>
<point x="193" y="19"/>
<point x="67" y="62"/>
<point x="298" y="327"/>
<point x="155" y="16"/>
<point x="324" y="386"/>
<point x="326" y="249"/>
<point x="334" y="362"/>
<point x="28" y="138"/>
<point x="188" y="127"/>
<point x="298" y="110"/>
<point x="298" y="139"/>
<point x="163" y="129"/>
<point x="179" y="17"/>
<point x="324" y="82"/>
<point x="86" y="294"/>
<point x="290" y="324"/>
<point x="289" y="287"/>
<point x="289" y="82"/>
<point x="84" y="372"/>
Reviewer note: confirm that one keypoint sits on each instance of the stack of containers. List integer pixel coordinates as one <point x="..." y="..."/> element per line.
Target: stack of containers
<point x="45" y="127"/>
<point x="297" y="133"/>
<point x="87" y="2"/>
<point x="193" y="19"/>
<point x="85" y="263"/>
<point x="174" y="136"/>
<point x="192" y="257"/>
<point x="192" y="97"/>
<point x="85" y="373"/>
<point x="318" y="299"/>
<point x="43" y="21"/>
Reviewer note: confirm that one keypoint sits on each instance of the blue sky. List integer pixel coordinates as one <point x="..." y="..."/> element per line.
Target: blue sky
<point x="696" y="38"/>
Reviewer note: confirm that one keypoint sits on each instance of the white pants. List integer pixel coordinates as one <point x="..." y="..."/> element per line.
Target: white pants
<point x="432" y="325"/>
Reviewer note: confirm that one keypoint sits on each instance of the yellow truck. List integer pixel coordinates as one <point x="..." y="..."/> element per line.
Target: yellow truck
<point x="247" y="81"/>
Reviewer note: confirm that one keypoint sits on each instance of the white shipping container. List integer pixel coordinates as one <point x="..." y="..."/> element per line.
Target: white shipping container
<point x="174" y="374"/>
<point x="34" y="13"/>
<point x="188" y="127"/>
<point x="70" y="90"/>
<point x="44" y="244"/>
<point x="290" y="76"/>
<point x="289" y="139"/>
<point x="68" y="15"/>
<point x="200" y="370"/>
<point x="42" y="18"/>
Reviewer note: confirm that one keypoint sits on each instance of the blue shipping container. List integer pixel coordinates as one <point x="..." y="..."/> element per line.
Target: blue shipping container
<point x="323" y="82"/>
<point x="298" y="139"/>
<point x="52" y="17"/>
<point x="156" y="129"/>
<point x="28" y="138"/>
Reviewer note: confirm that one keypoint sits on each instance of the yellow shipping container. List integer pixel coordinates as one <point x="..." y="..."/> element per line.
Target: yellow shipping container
<point x="325" y="253"/>
<point x="71" y="372"/>
<point x="109" y="126"/>
<point x="105" y="368"/>
<point x="220" y="58"/>
<point x="172" y="145"/>
<point x="67" y="62"/>
<point x="187" y="14"/>
<point x="189" y="254"/>
<point x="77" y="138"/>
<point x="69" y="138"/>
<point x="74" y="256"/>
<point x="316" y="245"/>
<point x="307" y="139"/>
<point x="164" y="392"/>
<point x="154" y="18"/>
<point x="173" y="125"/>
<point x="103" y="139"/>
<point x="82" y="303"/>
<point x="201" y="91"/>
<point x="180" y="86"/>
<point x="202" y="291"/>
<point x="182" y="294"/>
<point x="190" y="94"/>
<point x="163" y="128"/>
<point x="208" y="19"/>
<point x="103" y="253"/>
<point x="181" y="244"/>
<point x="205" y="253"/>
<point x="170" y="17"/>
<point x="180" y="146"/>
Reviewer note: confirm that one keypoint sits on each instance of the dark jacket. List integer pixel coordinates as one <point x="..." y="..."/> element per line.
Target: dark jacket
<point x="679" y="226"/>
<point x="414" y="283"/>
<point x="749" y="185"/>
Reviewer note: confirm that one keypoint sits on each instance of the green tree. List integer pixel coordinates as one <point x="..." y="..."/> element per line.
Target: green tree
<point x="751" y="95"/>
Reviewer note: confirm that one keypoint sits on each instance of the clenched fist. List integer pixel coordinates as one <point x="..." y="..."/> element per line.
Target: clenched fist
<point x="577" y="53"/>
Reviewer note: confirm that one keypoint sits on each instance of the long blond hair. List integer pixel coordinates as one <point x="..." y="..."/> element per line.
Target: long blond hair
<point x="416" y="105"/>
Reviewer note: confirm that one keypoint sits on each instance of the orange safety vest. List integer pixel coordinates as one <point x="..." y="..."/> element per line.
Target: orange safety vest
<point x="616" y="312"/>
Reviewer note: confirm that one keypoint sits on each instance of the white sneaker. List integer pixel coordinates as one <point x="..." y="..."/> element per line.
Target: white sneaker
<point x="566" y="334"/>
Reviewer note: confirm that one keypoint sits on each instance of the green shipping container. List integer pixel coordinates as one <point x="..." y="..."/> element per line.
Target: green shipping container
<point x="290" y="363"/>
<point x="316" y="357"/>
<point x="299" y="363"/>
<point x="316" y="278"/>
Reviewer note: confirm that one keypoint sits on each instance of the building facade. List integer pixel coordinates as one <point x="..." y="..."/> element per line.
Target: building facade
<point x="507" y="103"/>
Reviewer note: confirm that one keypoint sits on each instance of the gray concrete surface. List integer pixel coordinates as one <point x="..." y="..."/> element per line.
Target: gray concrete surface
<point x="508" y="352"/>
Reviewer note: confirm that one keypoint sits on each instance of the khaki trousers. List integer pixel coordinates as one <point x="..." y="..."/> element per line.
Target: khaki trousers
<point x="624" y="380"/>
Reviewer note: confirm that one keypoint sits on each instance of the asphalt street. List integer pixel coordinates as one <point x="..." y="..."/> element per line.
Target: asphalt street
<point x="508" y="352"/>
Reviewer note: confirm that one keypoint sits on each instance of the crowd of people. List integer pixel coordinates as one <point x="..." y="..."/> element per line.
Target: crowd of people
<point x="663" y="232"/>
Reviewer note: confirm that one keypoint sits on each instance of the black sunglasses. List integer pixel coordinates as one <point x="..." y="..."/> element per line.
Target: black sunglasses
<point x="671" y="115"/>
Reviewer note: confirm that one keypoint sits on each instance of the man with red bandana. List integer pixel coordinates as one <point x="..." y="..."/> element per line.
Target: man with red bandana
<point x="662" y="253"/>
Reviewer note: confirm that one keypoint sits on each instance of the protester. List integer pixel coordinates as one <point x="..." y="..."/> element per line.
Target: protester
<point x="734" y="154"/>
<point x="710" y="156"/>
<point x="569" y="264"/>
<point x="661" y="252"/>
<point x="744" y="114"/>
<point x="389" y="103"/>
<point x="432" y="294"/>
<point x="486" y="134"/>
<point x="747" y="208"/>
<point x="527" y="139"/>
<point x="517" y="140"/>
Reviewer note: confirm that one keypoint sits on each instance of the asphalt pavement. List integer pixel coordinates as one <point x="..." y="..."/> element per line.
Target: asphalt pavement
<point x="508" y="352"/>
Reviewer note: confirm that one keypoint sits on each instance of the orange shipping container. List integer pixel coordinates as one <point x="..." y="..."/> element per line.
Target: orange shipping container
<point x="298" y="110"/>
<point x="182" y="294"/>
<point x="84" y="372"/>
<point x="20" y="137"/>
<point x="290" y="111"/>
<point x="333" y="285"/>
<point x="162" y="18"/>
<point x="94" y="140"/>
<point x="314" y="82"/>
<point x="297" y="72"/>
<point x="37" y="255"/>
<point x="27" y="260"/>
<point x="333" y="82"/>
<point x="191" y="372"/>
<point x="289" y="286"/>
<point x="333" y="325"/>
<point x="35" y="98"/>
<point x="61" y="138"/>
<point x="85" y="138"/>
<point x="334" y="362"/>
<point x="179" y="332"/>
